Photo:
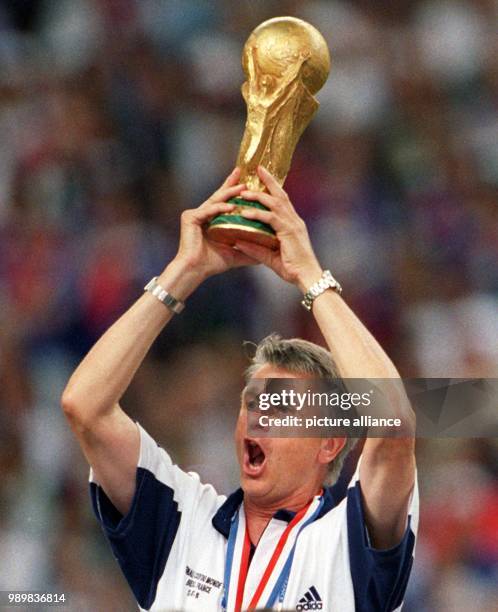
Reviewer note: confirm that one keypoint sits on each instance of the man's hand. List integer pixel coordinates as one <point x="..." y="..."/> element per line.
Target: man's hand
<point x="195" y="250"/>
<point x="295" y="262"/>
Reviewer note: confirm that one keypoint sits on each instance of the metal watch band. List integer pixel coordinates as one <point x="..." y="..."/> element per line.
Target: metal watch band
<point x="327" y="281"/>
<point x="163" y="296"/>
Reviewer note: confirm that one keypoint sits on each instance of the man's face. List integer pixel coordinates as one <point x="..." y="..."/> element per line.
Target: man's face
<point x="274" y="469"/>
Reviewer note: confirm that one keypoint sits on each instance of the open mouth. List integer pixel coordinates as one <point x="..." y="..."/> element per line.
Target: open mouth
<point x="254" y="457"/>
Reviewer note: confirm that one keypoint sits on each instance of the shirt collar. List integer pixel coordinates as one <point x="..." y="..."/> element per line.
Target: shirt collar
<point x="222" y="520"/>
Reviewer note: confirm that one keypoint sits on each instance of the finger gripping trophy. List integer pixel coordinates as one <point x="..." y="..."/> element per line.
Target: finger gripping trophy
<point x="286" y="61"/>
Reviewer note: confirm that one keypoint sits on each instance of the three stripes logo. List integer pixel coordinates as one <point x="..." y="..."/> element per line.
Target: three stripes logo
<point x="310" y="601"/>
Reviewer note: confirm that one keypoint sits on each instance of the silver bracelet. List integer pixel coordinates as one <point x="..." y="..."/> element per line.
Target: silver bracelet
<point x="327" y="281"/>
<point x="163" y="296"/>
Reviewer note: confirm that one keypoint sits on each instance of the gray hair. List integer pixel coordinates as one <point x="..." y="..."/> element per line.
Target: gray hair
<point x="300" y="357"/>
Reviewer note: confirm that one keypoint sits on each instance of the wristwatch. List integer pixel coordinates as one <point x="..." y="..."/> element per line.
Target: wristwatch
<point x="163" y="296"/>
<point x="327" y="281"/>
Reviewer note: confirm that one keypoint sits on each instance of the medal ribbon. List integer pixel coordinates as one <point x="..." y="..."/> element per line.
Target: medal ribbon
<point x="281" y="583"/>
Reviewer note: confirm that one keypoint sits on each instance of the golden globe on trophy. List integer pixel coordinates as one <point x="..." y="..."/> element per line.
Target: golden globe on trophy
<point x="286" y="62"/>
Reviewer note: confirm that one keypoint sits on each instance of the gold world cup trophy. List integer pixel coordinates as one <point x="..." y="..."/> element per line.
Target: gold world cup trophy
<point x="286" y="62"/>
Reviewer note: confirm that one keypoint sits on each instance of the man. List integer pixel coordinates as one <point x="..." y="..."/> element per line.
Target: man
<point x="281" y="541"/>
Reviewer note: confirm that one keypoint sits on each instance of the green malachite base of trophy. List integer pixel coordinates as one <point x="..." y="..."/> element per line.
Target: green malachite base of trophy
<point x="229" y="228"/>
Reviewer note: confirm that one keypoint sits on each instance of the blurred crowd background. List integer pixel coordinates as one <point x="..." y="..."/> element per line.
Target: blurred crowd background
<point x="115" y="115"/>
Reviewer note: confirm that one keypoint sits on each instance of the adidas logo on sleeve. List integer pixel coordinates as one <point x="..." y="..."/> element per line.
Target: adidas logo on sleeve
<point x="310" y="601"/>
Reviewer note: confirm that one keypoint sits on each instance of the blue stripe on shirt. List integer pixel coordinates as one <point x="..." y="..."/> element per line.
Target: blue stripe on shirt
<point x="142" y="540"/>
<point x="379" y="576"/>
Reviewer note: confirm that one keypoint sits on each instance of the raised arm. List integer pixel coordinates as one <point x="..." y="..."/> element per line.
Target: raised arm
<point x="108" y="437"/>
<point x="387" y="470"/>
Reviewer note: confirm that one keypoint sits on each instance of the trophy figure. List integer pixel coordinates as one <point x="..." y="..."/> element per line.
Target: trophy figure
<point x="286" y="61"/>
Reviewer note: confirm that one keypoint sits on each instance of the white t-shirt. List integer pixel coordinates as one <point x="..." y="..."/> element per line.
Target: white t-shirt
<point x="172" y="546"/>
